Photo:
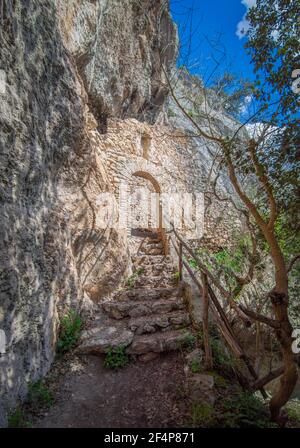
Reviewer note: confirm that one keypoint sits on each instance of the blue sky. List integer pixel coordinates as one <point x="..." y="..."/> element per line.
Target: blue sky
<point x="215" y="24"/>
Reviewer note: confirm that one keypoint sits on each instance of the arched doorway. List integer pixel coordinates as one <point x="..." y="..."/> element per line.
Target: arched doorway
<point x="146" y="209"/>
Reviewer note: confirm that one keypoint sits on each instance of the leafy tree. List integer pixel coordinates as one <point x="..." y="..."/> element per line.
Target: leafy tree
<point x="274" y="45"/>
<point x="263" y="169"/>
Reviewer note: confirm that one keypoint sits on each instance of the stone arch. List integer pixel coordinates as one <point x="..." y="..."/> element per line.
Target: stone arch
<point x="156" y="186"/>
<point x="145" y="168"/>
<point x="148" y="176"/>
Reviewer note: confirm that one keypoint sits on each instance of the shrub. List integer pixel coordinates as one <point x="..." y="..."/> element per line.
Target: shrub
<point x="195" y="366"/>
<point x="293" y="410"/>
<point x="131" y="281"/>
<point x="245" y="410"/>
<point x="39" y="395"/>
<point x="16" y="419"/>
<point x="116" y="358"/>
<point x="70" y="327"/>
<point x="189" y="340"/>
<point x="176" y="275"/>
<point x="202" y="414"/>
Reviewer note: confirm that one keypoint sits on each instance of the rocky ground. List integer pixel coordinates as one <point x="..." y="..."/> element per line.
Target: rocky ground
<point x="86" y="394"/>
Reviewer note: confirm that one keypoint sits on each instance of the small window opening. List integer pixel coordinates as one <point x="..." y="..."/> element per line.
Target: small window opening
<point x="146" y="143"/>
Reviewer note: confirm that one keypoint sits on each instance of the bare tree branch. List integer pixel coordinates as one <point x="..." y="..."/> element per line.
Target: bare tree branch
<point x="292" y="262"/>
<point x="260" y="318"/>
<point x="268" y="378"/>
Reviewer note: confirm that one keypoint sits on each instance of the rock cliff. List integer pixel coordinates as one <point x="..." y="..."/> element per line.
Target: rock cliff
<point x="65" y="68"/>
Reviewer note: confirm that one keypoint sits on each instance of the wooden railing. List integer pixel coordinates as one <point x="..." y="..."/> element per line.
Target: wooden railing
<point x="211" y="303"/>
<point x="165" y="240"/>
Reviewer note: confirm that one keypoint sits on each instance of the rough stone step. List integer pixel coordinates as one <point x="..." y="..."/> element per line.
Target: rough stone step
<point x="155" y="281"/>
<point x="154" y="241"/>
<point x="151" y="251"/>
<point x="144" y="259"/>
<point x="149" y="294"/>
<point x="157" y="342"/>
<point x="163" y="322"/>
<point x="154" y="245"/>
<point x="156" y="269"/>
<point x="121" y="309"/>
<point x="99" y="339"/>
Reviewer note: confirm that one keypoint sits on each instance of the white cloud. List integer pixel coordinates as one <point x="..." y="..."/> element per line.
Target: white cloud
<point x="243" y="25"/>
<point x="249" y="3"/>
<point x="246" y="104"/>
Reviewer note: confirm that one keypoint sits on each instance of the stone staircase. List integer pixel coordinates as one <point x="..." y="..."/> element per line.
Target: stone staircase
<point x="149" y="317"/>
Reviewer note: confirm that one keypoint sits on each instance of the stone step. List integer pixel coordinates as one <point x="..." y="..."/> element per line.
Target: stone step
<point x="147" y="294"/>
<point x="154" y="241"/>
<point x="157" y="342"/>
<point x="120" y="309"/>
<point x="161" y="280"/>
<point x="162" y="322"/>
<point x="146" y="233"/>
<point x="100" y="338"/>
<point x="144" y="259"/>
<point x="157" y="269"/>
<point x="154" y="245"/>
<point x="151" y="251"/>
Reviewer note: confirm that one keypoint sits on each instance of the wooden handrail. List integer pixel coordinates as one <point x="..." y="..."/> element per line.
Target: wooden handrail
<point x="180" y="263"/>
<point x="218" y="313"/>
<point x="208" y="363"/>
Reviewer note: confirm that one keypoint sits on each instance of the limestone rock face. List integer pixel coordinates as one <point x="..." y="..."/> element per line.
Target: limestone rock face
<point x="64" y="66"/>
<point x="121" y="70"/>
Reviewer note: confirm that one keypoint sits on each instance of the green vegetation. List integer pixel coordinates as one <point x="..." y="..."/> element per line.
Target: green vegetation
<point x="176" y="276"/>
<point x="223" y="361"/>
<point x="271" y="28"/>
<point x="16" y="419"/>
<point x="189" y="340"/>
<point x="131" y="281"/>
<point x="202" y="414"/>
<point x="39" y="395"/>
<point x="220" y="381"/>
<point x="195" y="366"/>
<point x="116" y="358"/>
<point x="244" y="410"/>
<point x="70" y="327"/>
<point x="293" y="410"/>
<point x="171" y="113"/>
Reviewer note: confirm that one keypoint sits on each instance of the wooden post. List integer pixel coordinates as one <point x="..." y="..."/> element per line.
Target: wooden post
<point x="222" y="321"/>
<point x="208" y="363"/>
<point x="180" y="262"/>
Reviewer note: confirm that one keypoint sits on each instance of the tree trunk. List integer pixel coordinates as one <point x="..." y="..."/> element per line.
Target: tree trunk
<point x="280" y="300"/>
<point x="208" y="364"/>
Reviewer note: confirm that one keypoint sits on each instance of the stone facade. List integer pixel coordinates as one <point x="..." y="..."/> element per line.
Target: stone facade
<point x="161" y="160"/>
<point x="82" y="81"/>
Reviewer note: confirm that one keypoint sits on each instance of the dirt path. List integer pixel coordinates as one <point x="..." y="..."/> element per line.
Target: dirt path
<point x="140" y="395"/>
